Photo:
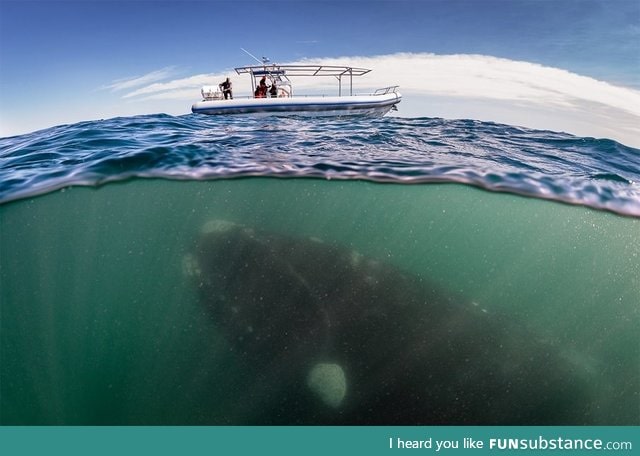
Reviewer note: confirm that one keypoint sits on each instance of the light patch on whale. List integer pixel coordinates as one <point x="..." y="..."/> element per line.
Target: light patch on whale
<point x="476" y="304"/>
<point x="356" y="258"/>
<point x="217" y="226"/>
<point x="328" y="382"/>
<point x="190" y="266"/>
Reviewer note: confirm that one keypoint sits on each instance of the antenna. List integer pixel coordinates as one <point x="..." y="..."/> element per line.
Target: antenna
<point x="254" y="57"/>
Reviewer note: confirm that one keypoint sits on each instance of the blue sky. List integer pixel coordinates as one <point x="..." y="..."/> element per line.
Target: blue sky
<point x="65" y="61"/>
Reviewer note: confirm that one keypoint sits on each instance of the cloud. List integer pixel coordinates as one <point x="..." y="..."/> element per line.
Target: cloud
<point x="474" y="86"/>
<point x="129" y="83"/>
<point x="486" y="77"/>
<point x="465" y="76"/>
<point x="171" y="88"/>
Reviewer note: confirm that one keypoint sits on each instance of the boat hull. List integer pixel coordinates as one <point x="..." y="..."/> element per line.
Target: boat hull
<point x="363" y="105"/>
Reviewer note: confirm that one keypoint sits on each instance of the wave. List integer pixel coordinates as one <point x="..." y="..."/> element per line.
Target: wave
<point x="598" y="173"/>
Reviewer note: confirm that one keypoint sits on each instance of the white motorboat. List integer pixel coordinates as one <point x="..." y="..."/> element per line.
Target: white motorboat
<point x="276" y="95"/>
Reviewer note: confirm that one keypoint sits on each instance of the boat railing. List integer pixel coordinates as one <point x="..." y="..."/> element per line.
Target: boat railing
<point x="386" y="90"/>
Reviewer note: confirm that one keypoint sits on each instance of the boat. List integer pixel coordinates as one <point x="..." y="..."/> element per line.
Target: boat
<point x="280" y="99"/>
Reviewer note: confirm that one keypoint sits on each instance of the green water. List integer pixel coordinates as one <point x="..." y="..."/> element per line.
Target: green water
<point x="100" y="325"/>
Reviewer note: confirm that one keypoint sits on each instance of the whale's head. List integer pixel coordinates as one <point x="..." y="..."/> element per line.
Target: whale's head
<point x="253" y="292"/>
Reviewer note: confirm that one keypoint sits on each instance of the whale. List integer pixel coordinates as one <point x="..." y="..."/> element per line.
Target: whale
<point x="326" y="335"/>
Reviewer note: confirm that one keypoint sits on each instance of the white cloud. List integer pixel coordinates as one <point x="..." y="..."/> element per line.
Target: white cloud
<point x="129" y="83"/>
<point x="485" y="77"/>
<point x="465" y="76"/>
<point x="178" y="85"/>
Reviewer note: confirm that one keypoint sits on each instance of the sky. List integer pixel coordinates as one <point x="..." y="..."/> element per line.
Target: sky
<point x="562" y="65"/>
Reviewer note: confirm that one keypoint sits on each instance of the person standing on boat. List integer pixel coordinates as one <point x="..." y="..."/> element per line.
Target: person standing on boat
<point x="226" y="89"/>
<point x="273" y="91"/>
<point x="263" y="87"/>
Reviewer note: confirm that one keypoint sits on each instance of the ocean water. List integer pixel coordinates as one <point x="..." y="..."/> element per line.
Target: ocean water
<point x="101" y="321"/>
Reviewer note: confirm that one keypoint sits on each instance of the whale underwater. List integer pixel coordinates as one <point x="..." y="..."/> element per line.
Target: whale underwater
<point x="327" y="336"/>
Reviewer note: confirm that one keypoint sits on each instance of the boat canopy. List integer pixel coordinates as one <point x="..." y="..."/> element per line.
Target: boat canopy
<point x="281" y="73"/>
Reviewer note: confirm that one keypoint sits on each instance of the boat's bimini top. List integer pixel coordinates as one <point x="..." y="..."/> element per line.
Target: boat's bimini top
<point x="302" y="70"/>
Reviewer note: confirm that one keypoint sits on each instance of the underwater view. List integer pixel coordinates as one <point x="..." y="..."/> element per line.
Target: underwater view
<point x="160" y="270"/>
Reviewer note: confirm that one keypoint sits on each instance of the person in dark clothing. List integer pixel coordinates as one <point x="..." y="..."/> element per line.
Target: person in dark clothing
<point x="263" y="87"/>
<point x="226" y="89"/>
<point x="273" y="91"/>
